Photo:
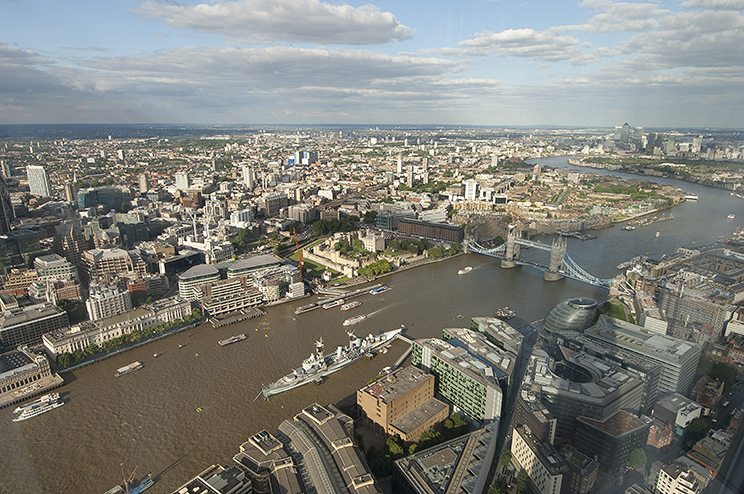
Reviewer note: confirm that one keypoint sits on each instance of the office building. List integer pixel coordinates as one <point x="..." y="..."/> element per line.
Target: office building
<point x="249" y="176"/>
<point x="268" y="464"/>
<point x="194" y="277"/>
<point x="253" y="266"/>
<point x="532" y="413"/>
<point x="143" y="185"/>
<point x="501" y="361"/>
<point x="218" y="480"/>
<point x="225" y="296"/>
<point x="107" y="301"/>
<point x="678" y="359"/>
<point x="70" y="192"/>
<point x="575" y="314"/>
<point x="677" y="411"/>
<point x="183" y="181"/>
<point x="548" y="471"/>
<point x="584" y="470"/>
<point x="38" y="181"/>
<point x="25" y="326"/>
<point x="677" y="479"/>
<point x="79" y="337"/>
<point x="457" y="466"/>
<point x="500" y="333"/>
<point x="611" y="440"/>
<point x="54" y="267"/>
<point x="581" y="385"/>
<point x="70" y="243"/>
<point x="110" y="198"/>
<point x="471" y="190"/>
<point x="436" y="231"/>
<point x="25" y="374"/>
<point x="103" y="265"/>
<point x="466" y="382"/>
<point x="403" y="403"/>
<point x="7" y="213"/>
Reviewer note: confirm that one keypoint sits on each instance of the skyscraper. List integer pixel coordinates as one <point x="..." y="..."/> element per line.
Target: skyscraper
<point x="38" y="181"/>
<point x="182" y="181"/>
<point x="6" y="208"/>
<point x="249" y="177"/>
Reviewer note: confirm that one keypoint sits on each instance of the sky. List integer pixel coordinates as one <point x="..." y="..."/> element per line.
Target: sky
<point x="592" y="63"/>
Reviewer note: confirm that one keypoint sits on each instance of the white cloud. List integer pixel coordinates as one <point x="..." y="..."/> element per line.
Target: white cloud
<point x="715" y="4"/>
<point x="257" y="21"/>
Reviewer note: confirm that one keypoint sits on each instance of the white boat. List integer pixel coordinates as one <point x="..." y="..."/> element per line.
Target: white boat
<point x="354" y="320"/>
<point x="466" y="269"/>
<point x="38" y="409"/>
<point x="658" y="234"/>
<point x="134" y="366"/>
<point x="380" y="290"/>
<point x="731" y="216"/>
<point x="333" y="304"/>
<point x="233" y="339"/>
<point x="43" y="399"/>
<point x="351" y="305"/>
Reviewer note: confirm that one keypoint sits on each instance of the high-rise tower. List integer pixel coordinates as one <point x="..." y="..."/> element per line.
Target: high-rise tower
<point x="38" y="181"/>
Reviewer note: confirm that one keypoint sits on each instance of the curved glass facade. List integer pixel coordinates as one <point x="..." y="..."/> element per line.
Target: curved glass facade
<point x="574" y="314"/>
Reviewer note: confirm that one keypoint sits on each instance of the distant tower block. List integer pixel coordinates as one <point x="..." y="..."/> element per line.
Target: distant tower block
<point x="557" y="252"/>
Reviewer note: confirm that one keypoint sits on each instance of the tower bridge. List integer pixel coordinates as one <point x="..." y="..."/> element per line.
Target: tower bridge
<point x="560" y="264"/>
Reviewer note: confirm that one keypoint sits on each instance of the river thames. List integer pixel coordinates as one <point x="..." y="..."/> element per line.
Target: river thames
<point x="193" y="406"/>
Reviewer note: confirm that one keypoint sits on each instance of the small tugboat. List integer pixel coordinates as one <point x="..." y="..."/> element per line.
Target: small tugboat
<point x="505" y="313"/>
<point x="731" y="216"/>
<point x="465" y="270"/>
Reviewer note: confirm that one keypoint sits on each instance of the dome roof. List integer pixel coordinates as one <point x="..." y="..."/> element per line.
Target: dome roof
<point x="575" y="314"/>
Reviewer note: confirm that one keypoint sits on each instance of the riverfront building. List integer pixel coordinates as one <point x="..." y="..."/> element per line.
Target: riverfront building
<point x="500" y="333"/>
<point x="575" y="314"/>
<point x="194" y="277"/>
<point x="403" y="403"/>
<point x="27" y="325"/>
<point x="466" y="381"/>
<point x="23" y="374"/>
<point x="88" y="333"/>
<point x="252" y="266"/>
<point x="548" y="471"/>
<point x="224" y="296"/>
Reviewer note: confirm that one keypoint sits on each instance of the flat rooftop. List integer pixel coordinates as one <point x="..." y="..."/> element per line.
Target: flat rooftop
<point x="617" y="425"/>
<point x="397" y="384"/>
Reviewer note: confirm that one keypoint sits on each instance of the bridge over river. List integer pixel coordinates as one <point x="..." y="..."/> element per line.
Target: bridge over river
<point x="560" y="264"/>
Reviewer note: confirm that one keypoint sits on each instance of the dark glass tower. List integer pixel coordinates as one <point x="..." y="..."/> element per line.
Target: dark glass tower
<point x="6" y="208"/>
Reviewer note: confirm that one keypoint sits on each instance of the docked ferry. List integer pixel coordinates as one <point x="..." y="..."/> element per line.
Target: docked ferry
<point x="127" y="369"/>
<point x="38" y="408"/>
<point x="351" y="305"/>
<point x="43" y="399"/>
<point x="335" y="303"/>
<point x="380" y="290"/>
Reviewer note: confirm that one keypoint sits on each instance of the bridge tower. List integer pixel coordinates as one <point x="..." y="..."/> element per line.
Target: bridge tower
<point x="512" y="250"/>
<point x="557" y="252"/>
